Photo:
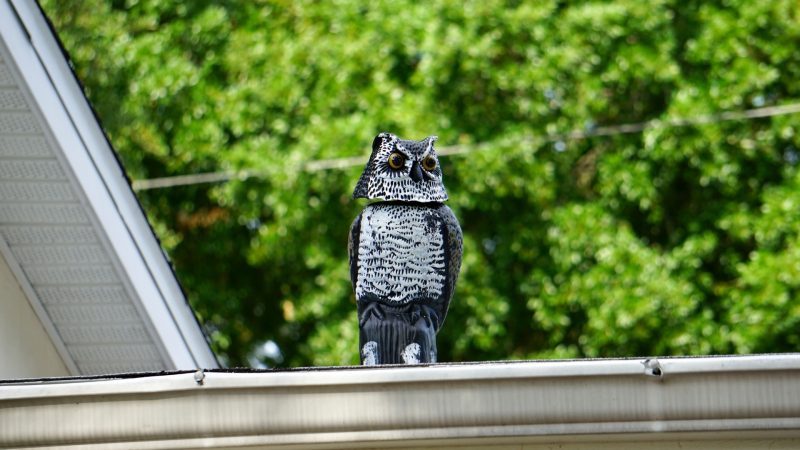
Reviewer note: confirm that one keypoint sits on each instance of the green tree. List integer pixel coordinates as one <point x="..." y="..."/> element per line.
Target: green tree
<point x="672" y="240"/>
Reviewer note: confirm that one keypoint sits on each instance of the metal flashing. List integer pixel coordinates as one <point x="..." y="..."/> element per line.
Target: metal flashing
<point x="748" y="398"/>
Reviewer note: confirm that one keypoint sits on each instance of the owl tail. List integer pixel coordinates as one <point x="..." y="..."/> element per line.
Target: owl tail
<point x="389" y="334"/>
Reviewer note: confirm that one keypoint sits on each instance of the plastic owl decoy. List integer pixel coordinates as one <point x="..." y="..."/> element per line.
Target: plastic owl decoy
<point x="405" y="252"/>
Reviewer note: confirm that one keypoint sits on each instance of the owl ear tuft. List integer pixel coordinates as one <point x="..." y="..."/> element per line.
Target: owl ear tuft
<point x="381" y="138"/>
<point x="377" y="142"/>
<point x="429" y="142"/>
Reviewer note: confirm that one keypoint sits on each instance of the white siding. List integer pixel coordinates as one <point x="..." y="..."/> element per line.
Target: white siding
<point x="22" y="335"/>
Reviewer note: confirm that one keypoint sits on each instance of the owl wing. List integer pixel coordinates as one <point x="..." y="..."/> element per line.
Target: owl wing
<point x="352" y="248"/>
<point x="453" y="246"/>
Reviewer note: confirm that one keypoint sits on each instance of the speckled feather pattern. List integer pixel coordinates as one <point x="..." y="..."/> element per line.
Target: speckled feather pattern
<point x="401" y="253"/>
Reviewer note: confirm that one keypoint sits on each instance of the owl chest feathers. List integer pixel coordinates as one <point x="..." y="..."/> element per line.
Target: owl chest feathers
<point x="401" y="254"/>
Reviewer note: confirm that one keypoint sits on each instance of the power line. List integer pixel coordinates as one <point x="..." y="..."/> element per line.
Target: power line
<point x="454" y="150"/>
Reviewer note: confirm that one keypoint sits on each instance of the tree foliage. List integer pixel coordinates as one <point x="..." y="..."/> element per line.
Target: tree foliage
<point x="673" y="240"/>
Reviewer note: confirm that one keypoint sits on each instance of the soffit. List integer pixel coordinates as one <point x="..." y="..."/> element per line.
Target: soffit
<point x="51" y="236"/>
<point x="71" y="229"/>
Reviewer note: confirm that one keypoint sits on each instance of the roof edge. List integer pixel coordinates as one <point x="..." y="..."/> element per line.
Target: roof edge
<point x="548" y="401"/>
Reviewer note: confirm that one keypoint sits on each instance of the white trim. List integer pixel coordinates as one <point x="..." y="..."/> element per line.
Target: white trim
<point x="87" y="152"/>
<point x="556" y="402"/>
<point x="12" y="37"/>
<point x="386" y="376"/>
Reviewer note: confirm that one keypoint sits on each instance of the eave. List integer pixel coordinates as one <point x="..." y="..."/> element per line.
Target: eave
<point x="707" y="402"/>
<point x="71" y="229"/>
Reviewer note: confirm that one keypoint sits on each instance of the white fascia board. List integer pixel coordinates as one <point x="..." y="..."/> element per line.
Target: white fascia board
<point x="555" y="402"/>
<point x="88" y="153"/>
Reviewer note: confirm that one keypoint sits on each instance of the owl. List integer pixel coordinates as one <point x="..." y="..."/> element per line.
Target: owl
<point x="405" y="252"/>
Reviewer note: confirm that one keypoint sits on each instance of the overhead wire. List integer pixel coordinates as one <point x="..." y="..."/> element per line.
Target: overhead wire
<point x="455" y="150"/>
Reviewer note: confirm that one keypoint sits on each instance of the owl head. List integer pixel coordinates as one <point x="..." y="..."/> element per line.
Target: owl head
<point x="402" y="170"/>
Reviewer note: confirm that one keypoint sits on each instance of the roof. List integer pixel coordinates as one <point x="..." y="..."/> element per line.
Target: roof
<point x="71" y="229"/>
<point x="707" y="402"/>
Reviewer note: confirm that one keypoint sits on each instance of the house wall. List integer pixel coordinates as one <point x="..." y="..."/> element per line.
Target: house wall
<point x="26" y="350"/>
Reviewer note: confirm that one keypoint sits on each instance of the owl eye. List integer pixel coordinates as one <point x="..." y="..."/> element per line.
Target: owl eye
<point x="429" y="163"/>
<point x="397" y="160"/>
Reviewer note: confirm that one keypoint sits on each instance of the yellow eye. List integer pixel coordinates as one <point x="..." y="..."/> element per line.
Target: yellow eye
<point x="397" y="160"/>
<point x="429" y="163"/>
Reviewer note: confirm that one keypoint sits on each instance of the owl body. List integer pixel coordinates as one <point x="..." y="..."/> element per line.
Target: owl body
<point x="401" y="252"/>
<point x="405" y="254"/>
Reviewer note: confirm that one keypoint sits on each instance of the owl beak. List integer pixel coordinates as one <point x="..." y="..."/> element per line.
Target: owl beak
<point x="416" y="172"/>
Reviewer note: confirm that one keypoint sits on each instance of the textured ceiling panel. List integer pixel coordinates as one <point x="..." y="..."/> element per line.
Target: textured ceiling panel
<point x="6" y="79"/>
<point x="38" y="213"/>
<point x="5" y="76"/>
<point x="24" y="147"/>
<point x="107" y="334"/>
<point x="12" y="100"/>
<point x="120" y="366"/>
<point x="121" y="352"/>
<point x="18" y="122"/>
<point x="48" y="234"/>
<point x="27" y="191"/>
<point x="60" y="254"/>
<point x="75" y="314"/>
<point x="31" y="169"/>
<point x="66" y="295"/>
<point x="70" y="274"/>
